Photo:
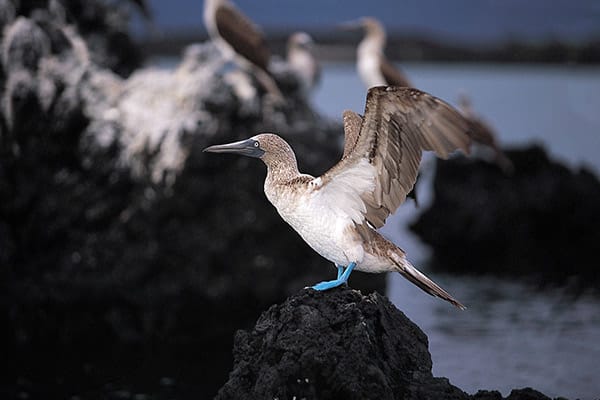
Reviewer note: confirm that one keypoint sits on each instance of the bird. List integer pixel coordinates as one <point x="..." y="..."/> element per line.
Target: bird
<point x="482" y="134"/>
<point x="301" y="59"/>
<point x="240" y="41"/>
<point x="337" y="213"/>
<point x="373" y="66"/>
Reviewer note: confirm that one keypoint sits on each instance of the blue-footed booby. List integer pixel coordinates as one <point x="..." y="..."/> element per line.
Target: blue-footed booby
<point x="337" y="213"/>
<point x="240" y="41"/>
<point x="373" y="66"/>
<point x="301" y="59"/>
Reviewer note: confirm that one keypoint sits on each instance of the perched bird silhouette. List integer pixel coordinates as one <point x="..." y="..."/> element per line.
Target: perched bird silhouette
<point x="301" y="59"/>
<point x="482" y="134"/>
<point x="240" y="41"/>
<point x="373" y="67"/>
<point x="337" y="214"/>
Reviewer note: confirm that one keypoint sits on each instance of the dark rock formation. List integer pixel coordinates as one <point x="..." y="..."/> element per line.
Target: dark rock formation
<point x="117" y="234"/>
<point x="516" y="394"/>
<point x="339" y="345"/>
<point x="103" y="26"/>
<point x="542" y="220"/>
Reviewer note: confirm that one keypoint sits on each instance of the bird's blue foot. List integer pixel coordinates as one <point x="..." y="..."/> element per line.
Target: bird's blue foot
<point x="328" y="284"/>
<point x="342" y="278"/>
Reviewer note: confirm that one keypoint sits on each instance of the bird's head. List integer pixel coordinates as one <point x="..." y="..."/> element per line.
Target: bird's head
<point x="368" y="24"/>
<point x="269" y="147"/>
<point x="300" y="40"/>
<point x="249" y="147"/>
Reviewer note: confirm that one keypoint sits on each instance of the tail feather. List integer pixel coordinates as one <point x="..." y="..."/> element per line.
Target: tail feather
<point x="380" y="246"/>
<point x="427" y="285"/>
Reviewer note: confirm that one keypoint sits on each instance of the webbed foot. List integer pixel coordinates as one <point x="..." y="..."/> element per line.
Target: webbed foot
<point x="328" y="284"/>
<point x="342" y="278"/>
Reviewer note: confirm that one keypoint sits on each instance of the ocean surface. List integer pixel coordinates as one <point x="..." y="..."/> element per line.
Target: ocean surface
<point x="511" y="335"/>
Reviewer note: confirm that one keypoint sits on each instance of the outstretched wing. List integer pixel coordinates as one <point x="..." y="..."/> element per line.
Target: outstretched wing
<point x="380" y="164"/>
<point x="245" y="38"/>
<point x="352" y="124"/>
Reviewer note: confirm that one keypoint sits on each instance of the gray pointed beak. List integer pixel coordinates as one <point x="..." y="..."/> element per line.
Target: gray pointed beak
<point x="248" y="147"/>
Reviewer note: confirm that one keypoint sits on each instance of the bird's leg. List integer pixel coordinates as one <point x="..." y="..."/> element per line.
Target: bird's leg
<point x="340" y="271"/>
<point x="337" y="282"/>
<point x="348" y="271"/>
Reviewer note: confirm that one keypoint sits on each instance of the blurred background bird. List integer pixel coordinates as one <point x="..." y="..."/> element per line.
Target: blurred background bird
<point x="240" y="41"/>
<point x="302" y="60"/>
<point x="371" y="63"/>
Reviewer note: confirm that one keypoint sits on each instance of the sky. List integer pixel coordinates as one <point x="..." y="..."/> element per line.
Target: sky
<point x="462" y="20"/>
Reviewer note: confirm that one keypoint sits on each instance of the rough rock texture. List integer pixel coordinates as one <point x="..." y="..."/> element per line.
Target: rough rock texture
<point x="116" y="231"/>
<point x="516" y="394"/>
<point x="542" y="220"/>
<point x="339" y="345"/>
<point x="102" y="24"/>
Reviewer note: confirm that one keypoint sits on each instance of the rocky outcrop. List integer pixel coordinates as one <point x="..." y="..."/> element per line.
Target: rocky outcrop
<point x="116" y="231"/>
<point x="339" y="345"/>
<point x="540" y="221"/>
<point x="104" y="28"/>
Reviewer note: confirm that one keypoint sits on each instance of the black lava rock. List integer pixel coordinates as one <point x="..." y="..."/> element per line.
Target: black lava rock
<point x="516" y="394"/>
<point x="102" y="25"/>
<point x="339" y="344"/>
<point x="540" y="221"/>
<point x="329" y="345"/>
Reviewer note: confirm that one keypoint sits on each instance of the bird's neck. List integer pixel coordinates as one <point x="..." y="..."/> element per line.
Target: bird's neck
<point x="281" y="169"/>
<point x="374" y="42"/>
<point x="210" y="10"/>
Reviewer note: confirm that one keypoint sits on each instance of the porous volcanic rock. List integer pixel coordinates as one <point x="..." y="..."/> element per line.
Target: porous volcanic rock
<point x="339" y="344"/>
<point x="104" y="27"/>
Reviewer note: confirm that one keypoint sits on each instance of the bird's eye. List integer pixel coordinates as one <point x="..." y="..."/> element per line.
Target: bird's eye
<point x="256" y="144"/>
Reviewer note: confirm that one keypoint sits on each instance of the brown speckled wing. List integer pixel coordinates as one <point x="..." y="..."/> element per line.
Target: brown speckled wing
<point x="482" y="133"/>
<point x="399" y="123"/>
<point x="245" y="38"/>
<point x="352" y="124"/>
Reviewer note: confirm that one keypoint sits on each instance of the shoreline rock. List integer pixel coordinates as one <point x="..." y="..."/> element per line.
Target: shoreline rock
<point x="539" y="223"/>
<point x="339" y="344"/>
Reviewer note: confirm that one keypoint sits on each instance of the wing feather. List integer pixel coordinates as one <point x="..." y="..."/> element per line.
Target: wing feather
<point x="352" y="123"/>
<point x="398" y="125"/>
<point x="245" y="38"/>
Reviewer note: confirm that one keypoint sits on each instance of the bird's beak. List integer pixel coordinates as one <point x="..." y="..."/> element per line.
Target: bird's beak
<point x="248" y="147"/>
<point x="350" y="25"/>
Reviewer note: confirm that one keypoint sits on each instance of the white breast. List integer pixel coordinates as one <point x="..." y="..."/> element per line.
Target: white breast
<point x="322" y="228"/>
<point x="368" y="65"/>
<point x="303" y="64"/>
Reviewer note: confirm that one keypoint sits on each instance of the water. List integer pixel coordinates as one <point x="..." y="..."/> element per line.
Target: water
<point x="511" y="336"/>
